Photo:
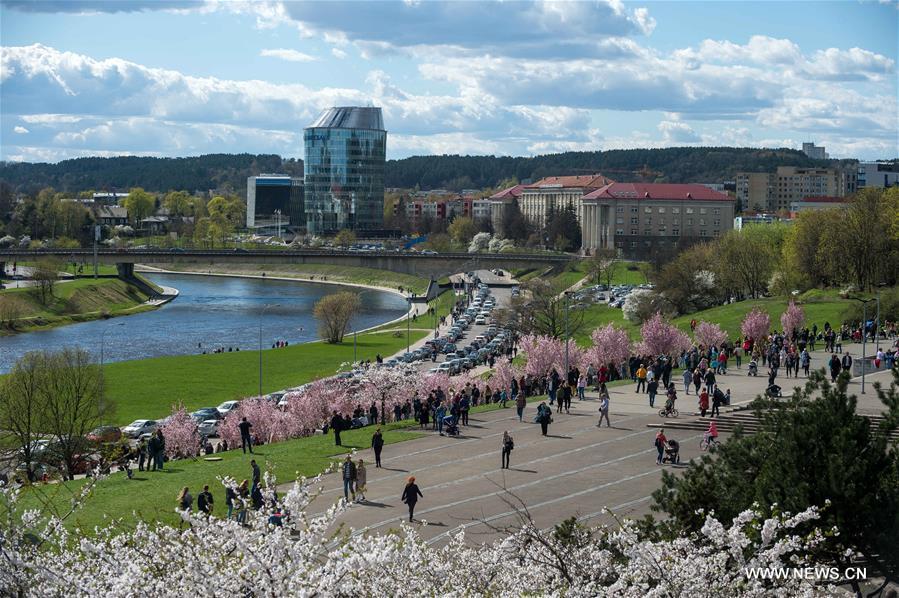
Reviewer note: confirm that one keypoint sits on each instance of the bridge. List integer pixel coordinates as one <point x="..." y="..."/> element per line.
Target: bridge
<point x="425" y="265"/>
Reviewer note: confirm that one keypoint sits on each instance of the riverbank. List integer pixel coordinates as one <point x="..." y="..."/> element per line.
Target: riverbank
<point x="382" y="280"/>
<point x="78" y="300"/>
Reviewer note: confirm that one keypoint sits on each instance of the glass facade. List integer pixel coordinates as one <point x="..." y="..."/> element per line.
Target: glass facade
<point x="345" y="151"/>
<point x="268" y="193"/>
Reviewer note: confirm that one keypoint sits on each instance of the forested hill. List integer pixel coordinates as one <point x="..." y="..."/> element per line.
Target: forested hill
<point x="230" y="171"/>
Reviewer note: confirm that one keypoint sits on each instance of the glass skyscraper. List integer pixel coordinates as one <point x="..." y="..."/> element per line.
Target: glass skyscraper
<point x="344" y="170"/>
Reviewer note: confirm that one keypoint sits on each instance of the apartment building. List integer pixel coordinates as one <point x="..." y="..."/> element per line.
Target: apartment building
<point x="773" y="192"/>
<point x="754" y="189"/>
<point x="556" y="193"/>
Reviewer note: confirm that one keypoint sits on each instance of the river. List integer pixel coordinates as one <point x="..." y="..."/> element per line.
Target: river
<point x="210" y="312"/>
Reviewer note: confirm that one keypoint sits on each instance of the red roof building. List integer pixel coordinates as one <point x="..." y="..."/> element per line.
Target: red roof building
<point x="658" y="191"/>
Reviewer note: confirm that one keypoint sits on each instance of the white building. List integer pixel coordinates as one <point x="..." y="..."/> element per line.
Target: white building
<point x="878" y="174"/>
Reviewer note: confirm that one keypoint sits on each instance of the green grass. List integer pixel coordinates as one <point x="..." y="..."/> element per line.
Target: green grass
<point x="76" y="301"/>
<point x="323" y="272"/>
<point x="819" y="306"/>
<point x="152" y="495"/>
<point x="625" y="273"/>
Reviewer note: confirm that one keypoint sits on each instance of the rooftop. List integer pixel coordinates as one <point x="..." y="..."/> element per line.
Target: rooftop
<point x="590" y="181"/>
<point x="508" y="193"/>
<point x="350" y="117"/>
<point x="667" y="191"/>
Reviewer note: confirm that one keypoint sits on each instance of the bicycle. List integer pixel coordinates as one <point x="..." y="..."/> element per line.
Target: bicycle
<point x="668" y="412"/>
<point x="708" y="443"/>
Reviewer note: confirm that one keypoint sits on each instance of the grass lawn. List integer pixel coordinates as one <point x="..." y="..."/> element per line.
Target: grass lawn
<point x="819" y="306"/>
<point x="351" y="274"/>
<point x="75" y="301"/>
<point x="625" y="273"/>
<point x="152" y="495"/>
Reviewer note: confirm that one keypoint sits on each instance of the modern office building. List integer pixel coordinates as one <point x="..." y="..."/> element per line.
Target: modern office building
<point x="274" y="199"/>
<point x="643" y="219"/>
<point x="816" y="152"/>
<point x="345" y="151"/>
<point x="878" y="174"/>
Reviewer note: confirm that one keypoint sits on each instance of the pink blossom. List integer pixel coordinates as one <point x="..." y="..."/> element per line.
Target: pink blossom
<point x="756" y="324"/>
<point x="181" y="436"/>
<point x="709" y="335"/>
<point x="503" y="374"/>
<point x="792" y="318"/>
<point x="542" y="352"/>
<point x="661" y="338"/>
<point x="610" y="345"/>
<point x="270" y="424"/>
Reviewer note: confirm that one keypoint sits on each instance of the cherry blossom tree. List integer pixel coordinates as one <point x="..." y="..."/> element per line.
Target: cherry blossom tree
<point x="610" y="345"/>
<point x="270" y="424"/>
<point x="709" y="335"/>
<point x="756" y="324"/>
<point x="792" y="319"/>
<point x="302" y="558"/>
<point x="542" y="353"/>
<point x="502" y="376"/>
<point x="661" y="338"/>
<point x="182" y="439"/>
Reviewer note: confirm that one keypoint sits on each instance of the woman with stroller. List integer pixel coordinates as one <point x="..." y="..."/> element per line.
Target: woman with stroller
<point x="660" y="445"/>
<point x="508" y="445"/>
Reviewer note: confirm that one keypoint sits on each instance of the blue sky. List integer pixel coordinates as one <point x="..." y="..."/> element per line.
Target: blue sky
<point x="173" y="77"/>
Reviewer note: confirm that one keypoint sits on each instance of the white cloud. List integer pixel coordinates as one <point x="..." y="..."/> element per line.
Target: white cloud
<point x="676" y="132"/>
<point x="288" y="55"/>
<point x="20" y="130"/>
<point x="338" y="53"/>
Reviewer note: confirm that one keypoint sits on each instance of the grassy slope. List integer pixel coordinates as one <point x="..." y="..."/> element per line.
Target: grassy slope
<point x="366" y="276"/>
<point x="77" y="300"/>
<point x="577" y="270"/>
<point x="819" y="306"/>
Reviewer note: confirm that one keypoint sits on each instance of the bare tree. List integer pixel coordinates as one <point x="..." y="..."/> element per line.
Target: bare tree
<point x="334" y="313"/>
<point x="21" y="408"/>
<point x="602" y="266"/>
<point x="74" y="404"/>
<point x="542" y="308"/>
<point x="45" y="274"/>
<point x="11" y="309"/>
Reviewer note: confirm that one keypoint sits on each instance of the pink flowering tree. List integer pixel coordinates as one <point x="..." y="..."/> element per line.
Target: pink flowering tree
<point x="756" y="324"/>
<point x="792" y="319"/>
<point x="709" y="335"/>
<point x="610" y="345"/>
<point x="181" y="436"/>
<point x="386" y="388"/>
<point x="502" y="376"/>
<point x="542" y="353"/>
<point x="661" y="337"/>
<point x="270" y="424"/>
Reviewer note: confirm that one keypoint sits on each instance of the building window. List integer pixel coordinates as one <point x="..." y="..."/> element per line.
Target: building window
<point x="702" y="210"/>
<point x="647" y="232"/>
<point x="619" y="231"/>
<point x="716" y="222"/>
<point x="634" y="220"/>
<point x="716" y="211"/>
<point x="675" y="210"/>
<point x="663" y="231"/>
<point x="675" y="232"/>
<point x="633" y="243"/>
<point x="689" y="211"/>
<point x="689" y="221"/>
<point x="619" y="221"/>
<point x="647" y="210"/>
<point x="702" y="222"/>
<point x="702" y="233"/>
<point x="715" y="233"/>
<point x="661" y="210"/>
<point x="633" y="231"/>
<point x="634" y="210"/>
<point x="619" y="209"/>
<point x="648" y="220"/>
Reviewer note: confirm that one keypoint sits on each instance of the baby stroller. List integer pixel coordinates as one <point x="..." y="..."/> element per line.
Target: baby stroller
<point x="773" y="391"/>
<point x="753" y="368"/>
<point x="450" y="427"/>
<point x="672" y="452"/>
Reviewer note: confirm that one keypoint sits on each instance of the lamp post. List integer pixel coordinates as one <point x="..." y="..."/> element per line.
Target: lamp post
<point x="864" y="303"/>
<point x="408" y="320"/>
<point x="354" y="347"/>
<point x="261" y="315"/>
<point x="567" y="293"/>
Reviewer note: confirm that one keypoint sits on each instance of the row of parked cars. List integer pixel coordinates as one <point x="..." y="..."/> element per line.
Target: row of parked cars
<point x="614" y="296"/>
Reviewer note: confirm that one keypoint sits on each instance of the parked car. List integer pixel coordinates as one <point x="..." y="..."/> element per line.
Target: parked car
<point x="480" y="320"/>
<point x="227" y="407"/>
<point x="103" y="434"/>
<point x="206" y="413"/>
<point x="140" y="426"/>
<point x="209" y="427"/>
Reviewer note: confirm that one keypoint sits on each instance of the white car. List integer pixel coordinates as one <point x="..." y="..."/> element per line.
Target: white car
<point x="209" y="427"/>
<point x="138" y="427"/>
<point x="227" y="407"/>
<point x="480" y="320"/>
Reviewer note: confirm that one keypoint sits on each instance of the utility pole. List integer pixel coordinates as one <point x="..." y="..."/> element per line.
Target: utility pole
<point x="864" y="303"/>
<point x="96" y="239"/>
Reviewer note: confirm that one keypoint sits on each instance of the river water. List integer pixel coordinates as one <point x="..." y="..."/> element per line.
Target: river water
<point x="210" y="312"/>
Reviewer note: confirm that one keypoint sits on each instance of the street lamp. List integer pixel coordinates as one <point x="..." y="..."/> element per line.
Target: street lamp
<point x="864" y="303"/>
<point x="408" y="320"/>
<point x="261" y="315"/>
<point x="567" y="295"/>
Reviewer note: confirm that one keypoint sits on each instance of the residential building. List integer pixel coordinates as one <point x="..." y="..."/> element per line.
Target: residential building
<point x="755" y="189"/>
<point x="448" y="209"/>
<point x="816" y="152"/>
<point x="642" y="219"/>
<point x="110" y="215"/>
<point x="345" y="151"/>
<point x="274" y="199"/>
<point x="878" y="174"/>
<point x="818" y="203"/>
<point x="556" y="193"/>
<point x="500" y="202"/>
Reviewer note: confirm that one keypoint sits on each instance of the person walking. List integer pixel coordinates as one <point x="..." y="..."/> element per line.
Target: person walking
<point x="243" y="497"/>
<point x="604" y="411"/>
<point x="257" y="475"/>
<point x="834" y="367"/>
<point x="660" y="445"/>
<point x="204" y="501"/>
<point x="230" y="497"/>
<point x="544" y="417"/>
<point x="142" y="455"/>
<point x="688" y="380"/>
<point x="520" y="403"/>
<point x="652" y="388"/>
<point x="717" y="400"/>
<point x="348" y="472"/>
<point x="703" y="402"/>
<point x="159" y="453"/>
<point x="361" y="478"/>
<point x="641" y="378"/>
<point x="581" y="387"/>
<point x="508" y="445"/>
<point x="805" y="359"/>
<point x="336" y="425"/>
<point x="410" y="496"/>
<point x="245" y="440"/>
<point x="185" y="500"/>
<point x="377" y="443"/>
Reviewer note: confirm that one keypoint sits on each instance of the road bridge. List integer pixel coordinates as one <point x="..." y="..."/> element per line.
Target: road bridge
<point x="425" y="265"/>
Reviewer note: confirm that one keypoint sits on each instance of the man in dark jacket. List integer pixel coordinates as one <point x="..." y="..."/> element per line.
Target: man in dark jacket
<point x="847" y="362"/>
<point x="349" y="478"/>
<point x="337" y="426"/>
<point x="245" y="440"/>
<point x="204" y="501"/>
<point x="377" y="443"/>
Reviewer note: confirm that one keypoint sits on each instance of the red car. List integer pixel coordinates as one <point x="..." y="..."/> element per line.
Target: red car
<point x="104" y="434"/>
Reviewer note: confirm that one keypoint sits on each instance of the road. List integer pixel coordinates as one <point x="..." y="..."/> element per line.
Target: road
<point x="578" y="470"/>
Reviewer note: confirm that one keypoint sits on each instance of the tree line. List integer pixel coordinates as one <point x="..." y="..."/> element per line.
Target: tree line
<point x="229" y="172"/>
